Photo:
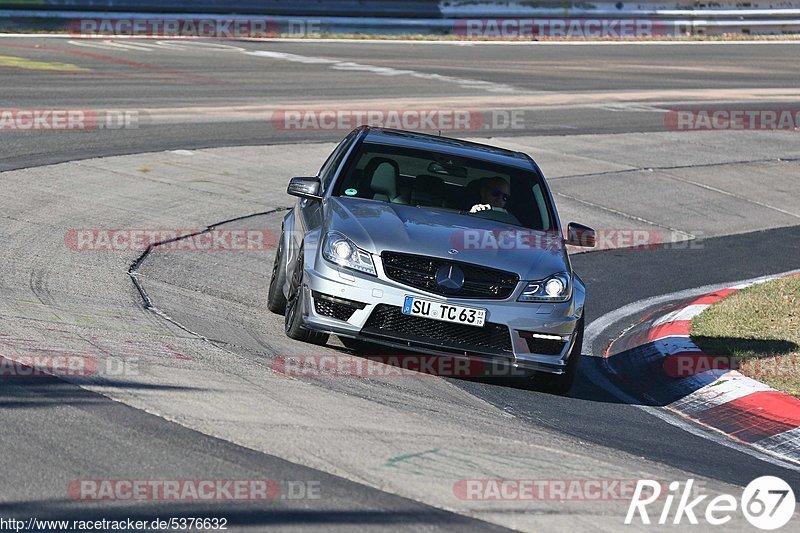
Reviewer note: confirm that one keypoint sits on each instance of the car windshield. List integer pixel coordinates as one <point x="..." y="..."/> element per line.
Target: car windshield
<point x="424" y="178"/>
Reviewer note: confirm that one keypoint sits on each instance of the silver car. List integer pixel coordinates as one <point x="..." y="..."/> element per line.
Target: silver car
<point x="434" y="245"/>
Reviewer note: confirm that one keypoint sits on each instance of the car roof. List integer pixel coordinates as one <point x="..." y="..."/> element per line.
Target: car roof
<point x="447" y="145"/>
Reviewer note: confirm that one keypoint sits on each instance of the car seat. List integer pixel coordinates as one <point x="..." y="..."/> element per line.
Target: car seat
<point x="384" y="174"/>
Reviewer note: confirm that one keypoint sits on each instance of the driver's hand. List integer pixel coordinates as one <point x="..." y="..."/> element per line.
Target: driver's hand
<point x="480" y="207"/>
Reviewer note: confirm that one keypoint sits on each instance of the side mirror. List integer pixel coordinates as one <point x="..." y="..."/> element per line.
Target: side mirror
<point x="580" y="235"/>
<point x="305" y="188"/>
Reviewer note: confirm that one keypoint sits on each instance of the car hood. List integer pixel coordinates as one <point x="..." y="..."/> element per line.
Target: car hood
<point x="379" y="226"/>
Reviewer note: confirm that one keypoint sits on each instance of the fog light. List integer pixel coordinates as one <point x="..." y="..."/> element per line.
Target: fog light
<point x="532" y="335"/>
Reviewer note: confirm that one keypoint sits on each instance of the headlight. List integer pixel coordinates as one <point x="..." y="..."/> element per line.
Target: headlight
<point x="556" y="288"/>
<point x="340" y="250"/>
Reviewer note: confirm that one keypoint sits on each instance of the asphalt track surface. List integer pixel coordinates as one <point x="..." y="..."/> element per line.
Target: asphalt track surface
<point x="614" y="88"/>
<point x="55" y="432"/>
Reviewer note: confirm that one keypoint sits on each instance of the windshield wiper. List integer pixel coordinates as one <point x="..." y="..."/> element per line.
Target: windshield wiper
<point x="451" y="209"/>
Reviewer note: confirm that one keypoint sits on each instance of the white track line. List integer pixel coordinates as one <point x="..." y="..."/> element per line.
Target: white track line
<point x="86" y="44"/>
<point x="189" y="43"/>
<point x="154" y="45"/>
<point x="384" y="71"/>
<point x="171" y="44"/>
<point x="127" y="46"/>
<point x="519" y="43"/>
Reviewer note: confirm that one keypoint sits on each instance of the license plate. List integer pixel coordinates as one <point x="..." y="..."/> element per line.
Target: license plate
<point x="445" y="312"/>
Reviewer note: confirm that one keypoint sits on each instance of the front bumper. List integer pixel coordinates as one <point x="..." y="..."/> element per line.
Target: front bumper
<point x="517" y="335"/>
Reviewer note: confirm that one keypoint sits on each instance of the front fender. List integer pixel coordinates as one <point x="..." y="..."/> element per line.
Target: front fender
<point x="578" y="294"/>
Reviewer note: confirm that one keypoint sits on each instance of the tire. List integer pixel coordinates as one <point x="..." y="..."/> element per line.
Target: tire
<point x="276" y="301"/>
<point x="562" y="383"/>
<point x="295" y="308"/>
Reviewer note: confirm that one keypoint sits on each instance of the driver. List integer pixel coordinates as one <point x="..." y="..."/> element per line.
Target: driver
<point x="494" y="195"/>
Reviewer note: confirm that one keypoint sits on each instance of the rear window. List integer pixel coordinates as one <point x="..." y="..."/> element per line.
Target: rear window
<point x="429" y="179"/>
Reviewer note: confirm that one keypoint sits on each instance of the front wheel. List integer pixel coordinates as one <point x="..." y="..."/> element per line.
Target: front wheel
<point x="295" y="308"/>
<point x="562" y="383"/>
<point x="276" y="301"/>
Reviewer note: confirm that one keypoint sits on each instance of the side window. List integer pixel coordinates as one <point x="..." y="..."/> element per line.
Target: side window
<point x="541" y="204"/>
<point x="328" y="170"/>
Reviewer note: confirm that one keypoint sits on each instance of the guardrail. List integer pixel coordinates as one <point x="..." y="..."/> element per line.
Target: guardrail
<point x="424" y="8"/>
<point x="425" y="17"/>
<point x="341" y="8"/>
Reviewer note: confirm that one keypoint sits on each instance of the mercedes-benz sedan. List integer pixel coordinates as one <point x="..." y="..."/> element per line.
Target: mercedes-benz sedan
<point x="434" y="245"/>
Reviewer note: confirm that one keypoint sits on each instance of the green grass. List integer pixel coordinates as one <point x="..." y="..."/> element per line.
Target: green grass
<point x="760" y="327"/>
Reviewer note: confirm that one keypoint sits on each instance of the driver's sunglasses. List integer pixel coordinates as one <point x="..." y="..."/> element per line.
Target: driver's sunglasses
<point x="497" y="193"/>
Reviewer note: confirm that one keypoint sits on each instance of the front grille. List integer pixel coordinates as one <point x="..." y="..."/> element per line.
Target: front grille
<point x="389" y="321"/>
<point x="545" y="346"/>
<point x="420" y="272"/>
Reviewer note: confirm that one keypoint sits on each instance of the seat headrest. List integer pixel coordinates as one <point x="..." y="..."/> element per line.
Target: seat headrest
<point x="384" y="179"/>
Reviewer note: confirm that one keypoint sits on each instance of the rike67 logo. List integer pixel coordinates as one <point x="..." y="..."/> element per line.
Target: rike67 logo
<point x="768" y="503"/>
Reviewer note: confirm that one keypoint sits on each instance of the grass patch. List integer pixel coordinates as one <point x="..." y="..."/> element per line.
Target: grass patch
<point x="760" y="328"/>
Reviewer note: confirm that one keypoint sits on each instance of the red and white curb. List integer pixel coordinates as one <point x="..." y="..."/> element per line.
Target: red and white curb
<point x="740" y="407"/>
